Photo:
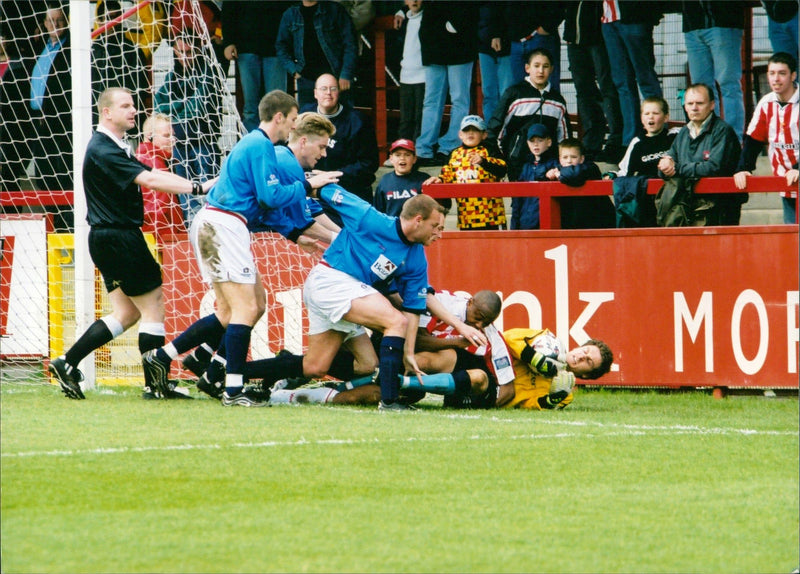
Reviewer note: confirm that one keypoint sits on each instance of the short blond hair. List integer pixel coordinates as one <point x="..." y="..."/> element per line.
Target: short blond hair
<point x="106" y="99"/>
<point x="310" y="124"/>
<point x="149" y="126"/>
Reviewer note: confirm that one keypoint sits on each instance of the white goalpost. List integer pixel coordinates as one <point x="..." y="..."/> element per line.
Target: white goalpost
<point x="164" y="52"/>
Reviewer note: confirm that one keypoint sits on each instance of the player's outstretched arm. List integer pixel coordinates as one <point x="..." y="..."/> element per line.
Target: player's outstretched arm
<point x="171" y="183"/>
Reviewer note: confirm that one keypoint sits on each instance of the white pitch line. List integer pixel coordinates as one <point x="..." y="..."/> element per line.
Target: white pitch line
<point x="611" y="430"/>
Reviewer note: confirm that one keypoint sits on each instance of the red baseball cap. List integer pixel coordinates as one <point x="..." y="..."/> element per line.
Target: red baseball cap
<point x="403" y="144"/>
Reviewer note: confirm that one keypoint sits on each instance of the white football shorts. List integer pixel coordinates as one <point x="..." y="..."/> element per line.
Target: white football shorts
<point x="221" y="243"/>
<point x="327" y="295"/>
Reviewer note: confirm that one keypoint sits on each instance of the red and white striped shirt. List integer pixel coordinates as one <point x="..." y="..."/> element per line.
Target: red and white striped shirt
<point x="610" y="11"/>
<point x="779" y="126"/>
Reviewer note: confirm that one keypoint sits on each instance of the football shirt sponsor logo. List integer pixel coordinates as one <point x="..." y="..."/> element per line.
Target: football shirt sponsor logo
<point x="383" y="267"/>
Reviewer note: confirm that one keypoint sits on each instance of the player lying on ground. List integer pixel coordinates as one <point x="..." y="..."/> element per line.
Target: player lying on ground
<point x="523" y="368"/>
<point x="343" y="293"/>
<point x="468" y="315"/>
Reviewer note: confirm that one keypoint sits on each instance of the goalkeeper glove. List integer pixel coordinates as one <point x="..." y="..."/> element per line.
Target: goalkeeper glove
<point x="562" y="384"/>
<point x="547" y="366"/>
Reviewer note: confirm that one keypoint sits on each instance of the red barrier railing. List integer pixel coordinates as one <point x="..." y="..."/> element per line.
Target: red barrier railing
<point x="549" y="192"/>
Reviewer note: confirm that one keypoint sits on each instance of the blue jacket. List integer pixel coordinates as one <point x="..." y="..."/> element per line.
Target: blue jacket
<point x="336" y="36"/>
<point x="525" y="210"/>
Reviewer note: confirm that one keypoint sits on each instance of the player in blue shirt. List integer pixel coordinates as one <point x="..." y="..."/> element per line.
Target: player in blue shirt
<point x="344" y="293"/>
<point x="248" y="185"/>
<point x="307" y="145"/>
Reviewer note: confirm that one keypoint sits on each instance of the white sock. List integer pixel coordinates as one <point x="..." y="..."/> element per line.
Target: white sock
<point x="233" y="384"/>
<point x="302" y="396"/>
<point x="170" y="350"/>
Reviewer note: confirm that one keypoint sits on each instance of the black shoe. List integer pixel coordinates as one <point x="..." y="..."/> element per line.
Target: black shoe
<point x="427" y="162"/>
<point x="212" y="382"/>
<point x="441" y="158"/>
<point x="611" y="154"/>
<point x="195" y="365"/>
<point x="68" y="377"/>
<point x="156" y="373"/>
<point x="249" y="397"/>
<point x="175" y="392"/>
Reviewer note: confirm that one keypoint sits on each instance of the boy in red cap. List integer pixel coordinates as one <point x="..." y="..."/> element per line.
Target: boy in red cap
<point x="400" y="185"/>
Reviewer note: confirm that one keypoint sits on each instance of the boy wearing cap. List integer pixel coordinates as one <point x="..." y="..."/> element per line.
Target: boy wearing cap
<point x="543" y="158"/>
<point x="397" y="187"/>
<point x="472" y="162"/>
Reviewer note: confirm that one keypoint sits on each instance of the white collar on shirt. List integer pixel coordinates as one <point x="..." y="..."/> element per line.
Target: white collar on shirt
<point x="121" y="143"/>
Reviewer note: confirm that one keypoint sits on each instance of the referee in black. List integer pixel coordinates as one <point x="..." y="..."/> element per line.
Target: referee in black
<point x="111" y="180"/>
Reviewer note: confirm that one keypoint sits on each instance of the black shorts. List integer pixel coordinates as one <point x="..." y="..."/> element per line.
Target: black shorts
<point x="487" y="399"/>
<point x="124" y="260"/>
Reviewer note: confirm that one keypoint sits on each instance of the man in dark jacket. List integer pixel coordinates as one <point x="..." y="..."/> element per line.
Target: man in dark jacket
<point x="494" y="55"/>
<point x="532" y="25"/>
<point x="449" y="38"/>
<point x="706" y="147"/>
<point x="316" y="38"/>
<point x="353" y="149"/>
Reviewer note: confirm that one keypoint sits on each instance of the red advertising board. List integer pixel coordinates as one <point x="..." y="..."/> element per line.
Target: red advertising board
<point x="695" y="307"/>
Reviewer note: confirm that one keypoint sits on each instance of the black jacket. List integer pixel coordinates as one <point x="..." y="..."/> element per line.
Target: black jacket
<point x="702" y="14"/>
<point x="252" y="26"/>
<point x="582" y="23"/>
<point x="448" y="33"/>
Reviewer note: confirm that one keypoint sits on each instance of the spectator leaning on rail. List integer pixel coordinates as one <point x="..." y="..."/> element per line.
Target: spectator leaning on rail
<point x="706" y="147"/>
<point x="775" y="122"/>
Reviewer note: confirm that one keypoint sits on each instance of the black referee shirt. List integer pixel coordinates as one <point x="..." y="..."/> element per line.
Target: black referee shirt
<point x="112" y="197"/>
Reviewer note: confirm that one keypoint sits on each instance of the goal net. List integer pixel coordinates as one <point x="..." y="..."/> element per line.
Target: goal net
<point x="168" y="55"/>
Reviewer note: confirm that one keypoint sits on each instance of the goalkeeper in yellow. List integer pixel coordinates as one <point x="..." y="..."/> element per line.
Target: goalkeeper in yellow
<point x="541" y="376"/>
<point x="544" y="377"/>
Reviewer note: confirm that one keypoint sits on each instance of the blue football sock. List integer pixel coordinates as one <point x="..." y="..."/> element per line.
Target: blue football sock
<point x="207" y="329"/>
<point x="237" y="342"/>
<point x="439" y="384"/>
<point x="390" y="361"/>
<point x="275" y="369"/>
<point x="355" y="383"/>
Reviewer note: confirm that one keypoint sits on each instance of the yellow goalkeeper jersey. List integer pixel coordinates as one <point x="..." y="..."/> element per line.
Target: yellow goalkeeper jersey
<point x="529" y="386"/>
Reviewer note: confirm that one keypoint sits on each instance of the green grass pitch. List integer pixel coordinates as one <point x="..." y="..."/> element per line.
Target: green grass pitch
<point x="619" y="482"/>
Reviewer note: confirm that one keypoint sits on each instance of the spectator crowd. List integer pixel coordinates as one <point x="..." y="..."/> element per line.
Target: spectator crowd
<point x="314" y="49"/>
<point x="306" y="169"/>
